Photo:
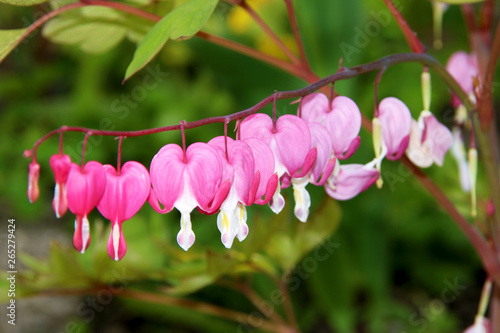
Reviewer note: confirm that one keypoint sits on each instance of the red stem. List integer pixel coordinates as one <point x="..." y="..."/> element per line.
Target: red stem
<point x="296" y="35"/>
<point x="485" y="107"/>
<point x="87" y="134"/>
<point x="119" y="158"/>
<point x="487" y="256"/>
<point x="412" y="39"/>
<point x="270" y="33"/>
<point x="225" y="139"/>
<point x="346" y="73"/>
<point x="61" y="142"/>
<point x="182" y="124"/>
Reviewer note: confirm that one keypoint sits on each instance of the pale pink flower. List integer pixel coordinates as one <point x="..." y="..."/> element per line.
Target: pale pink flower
<point x="429" y="141"/>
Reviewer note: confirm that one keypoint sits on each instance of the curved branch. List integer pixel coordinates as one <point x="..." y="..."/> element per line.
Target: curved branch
<point x="346" y="73"/>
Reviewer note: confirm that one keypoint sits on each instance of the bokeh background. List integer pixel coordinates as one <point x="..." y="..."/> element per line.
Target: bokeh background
<point x="393" y="260"/>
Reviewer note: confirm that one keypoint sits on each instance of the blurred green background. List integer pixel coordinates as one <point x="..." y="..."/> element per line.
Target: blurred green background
<point x="395" y="261"/>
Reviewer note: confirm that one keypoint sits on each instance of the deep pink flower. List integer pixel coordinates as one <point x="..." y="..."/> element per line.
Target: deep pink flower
<point x="185" y="181"/>
<point x="60" y="165"/>
<point x="33" y="191"/>
<point x="395" y="122"/>
<point x="85" y="187"/>
<point x="429" y="141"/>
<point x="341" y="117"/>
<point x="290" y="142"/>
<point x="464" y="68"/>
<point x="124" y="195"/>
<point x="348" y="180"/>
<point x="239" y="167"/>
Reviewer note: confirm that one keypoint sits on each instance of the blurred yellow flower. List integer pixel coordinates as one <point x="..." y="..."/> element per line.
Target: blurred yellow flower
<point x="238" y="19"/>
<point x="265" y="44"/>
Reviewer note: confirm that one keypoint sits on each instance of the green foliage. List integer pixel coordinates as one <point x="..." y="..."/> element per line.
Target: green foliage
<point x="23" y="2"/>
<point x="179" y="24"/>
<point x="94" y="29"/>
<point x="9" y="39"/>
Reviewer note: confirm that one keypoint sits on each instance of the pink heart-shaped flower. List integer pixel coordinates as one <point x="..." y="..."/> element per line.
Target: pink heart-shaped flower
<point x="124" y="195"/>
<point x="60" y="165"/>
<point x="85" y="187"/>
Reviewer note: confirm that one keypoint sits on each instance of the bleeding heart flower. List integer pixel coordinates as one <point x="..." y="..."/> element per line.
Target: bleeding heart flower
<point x="314" y="107"/>
<point x="239" y="167"/>
<point x="85" y="187"/>
<point x="348" y="180"/>
<point x="264" y="165"/>
<point x="60" y="165"/>
<point x="319" y="173"/>
<point x="464" y="68"/>
<point x="125" y="193"/>
<point x="33" y="191"/>
<point x="429" y="141"/>
<point x="395" y="122"/>
<point x="185" y="181"/>
<point x="290" y="142"/>
<point x="341" y="117"/>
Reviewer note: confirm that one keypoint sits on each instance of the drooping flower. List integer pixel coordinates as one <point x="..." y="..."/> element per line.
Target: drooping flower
<point x="85" y="187"/>
<point x="429" y="141"/>
<point x="264" y="165"/>
<point x="33" y="191"/>
<point x="185" y="181"/>
<point x="341" y="117"/>
<point x="290" y="142"/>
<point x="464" y="68"/>
<point x="239" y="167"/>
<point x="126" y="191"/>
<point x="60" y="165"/>
<point x="348" y="180"/>
<point x="395" y="122"/>
<point x="319" y="173"/>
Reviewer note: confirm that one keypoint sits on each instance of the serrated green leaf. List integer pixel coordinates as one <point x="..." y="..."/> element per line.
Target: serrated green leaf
<point x="181" y="23"/>
<point x="23" y="2"/>
<point x="9" y="39"/>
<point x="94" y="29"/>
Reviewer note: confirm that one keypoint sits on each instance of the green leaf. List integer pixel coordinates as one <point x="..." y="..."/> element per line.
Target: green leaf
<point x="460" y="2"/>
<point x="23" y="2"/>
<point x="94" y="29"/>
<point x="9" y="39"/>
<point x="288" y="245"/>
<point x="181" y="23"/>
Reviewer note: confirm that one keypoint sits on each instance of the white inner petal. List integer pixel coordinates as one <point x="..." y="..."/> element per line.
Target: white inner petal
<point x="116" y="239"/>
<point x="85" y="233"/>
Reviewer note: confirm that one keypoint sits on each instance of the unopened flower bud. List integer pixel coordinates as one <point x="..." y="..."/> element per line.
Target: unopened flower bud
<point x="33" y="175"/>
